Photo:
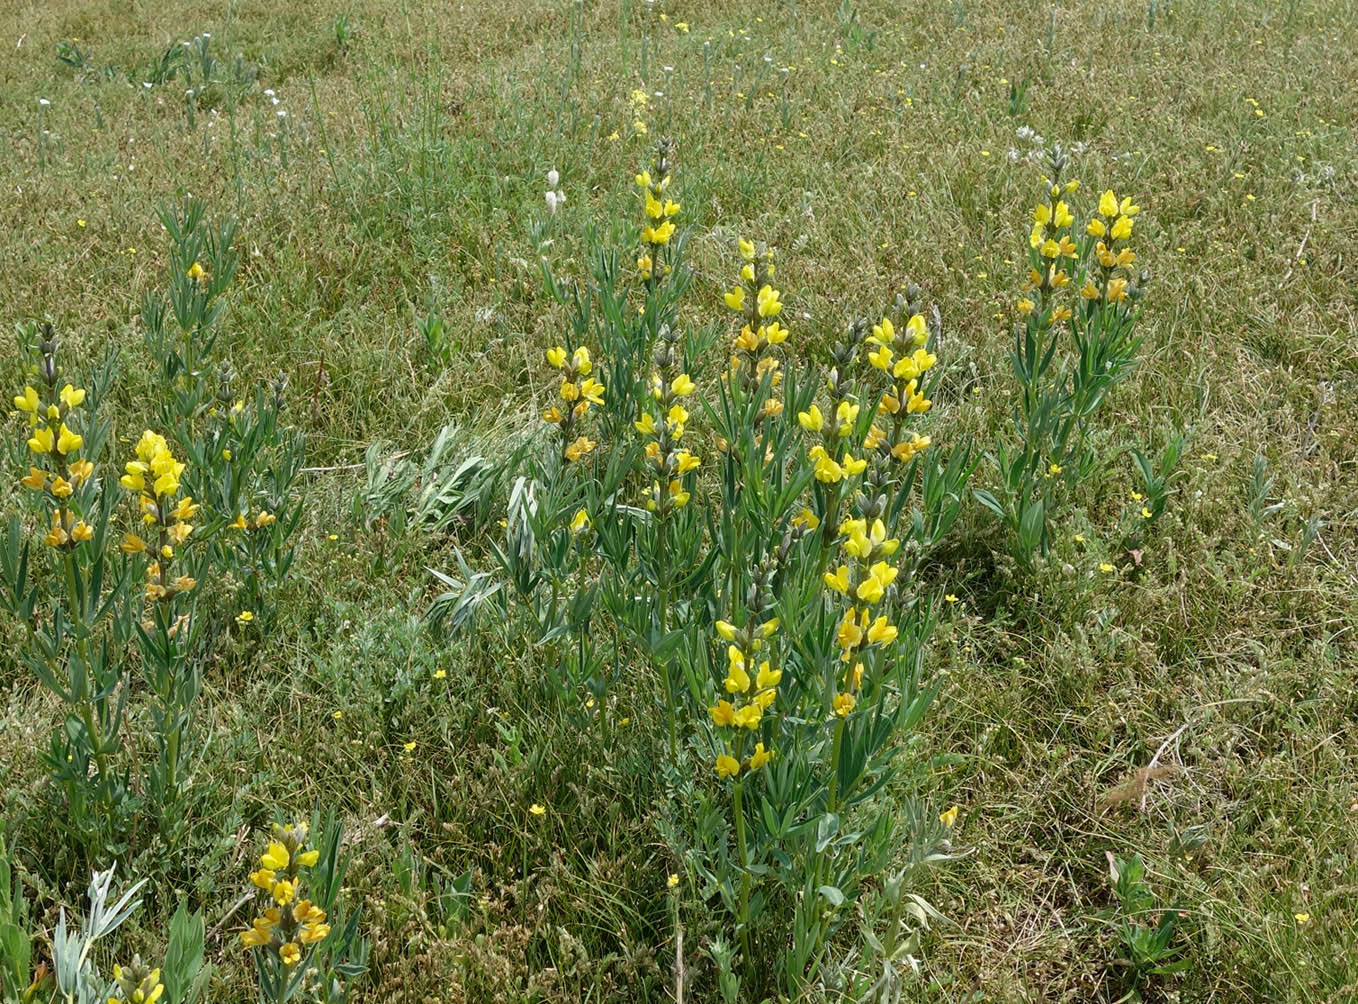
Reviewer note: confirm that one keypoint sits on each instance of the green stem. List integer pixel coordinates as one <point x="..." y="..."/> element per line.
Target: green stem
<point x="738" y="807"/>
<point x="832" y="801"/>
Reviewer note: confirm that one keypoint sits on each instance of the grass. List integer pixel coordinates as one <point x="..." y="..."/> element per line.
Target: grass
<point x="1194" y="706"/>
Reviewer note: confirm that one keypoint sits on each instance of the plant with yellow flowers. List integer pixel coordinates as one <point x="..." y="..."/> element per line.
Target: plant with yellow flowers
<point x="242" y="462"/>
<point x="296" y="939"/>
<point x="66" y="597"/>
<point x="1075" y="339"/>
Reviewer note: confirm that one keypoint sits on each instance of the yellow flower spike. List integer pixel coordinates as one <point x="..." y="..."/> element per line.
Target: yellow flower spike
<point x="682" y="386"/>
<point x="746" y="249"/>
<point x="843" y="704"/>
<point x="811" y="420"/>
<point x="28" y="401"/>
<point x="769" y="304"/>
<point x="760" y="756"/>
<point x="1108" y="204"/>
<point x="735" y="299"/>
<point x="41" y="440"/>
<point x="727" y="766"/>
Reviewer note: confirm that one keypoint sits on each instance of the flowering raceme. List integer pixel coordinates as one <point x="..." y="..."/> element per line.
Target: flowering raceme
<point x="287" y="924"/>
<point x="759" y="305"/>
<point x="751" y="685"/>
<point x="154" y="476"/>
<point x="579" y="391"/>
<point x="662" y="423"/>
<point x="57" y="470"/>
<point x="658" y="230"/>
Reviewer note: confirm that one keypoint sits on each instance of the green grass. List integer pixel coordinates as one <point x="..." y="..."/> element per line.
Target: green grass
<point x="406" y="177"/>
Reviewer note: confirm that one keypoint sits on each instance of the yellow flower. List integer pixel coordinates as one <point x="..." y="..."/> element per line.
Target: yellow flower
<point x="1302" y="918"/>
<point x="677" y="494"/>
<point x="41" y="440"/>
<point x="645" y="425"/>
<point x="844" y="703"/>
<point x="948" y="817"/>
<point x="760" y="756"/>
<point x="245" y="617"/>
<point x="1108" y="204"/>
<point x="737" y="679"/>
<point x="682" y="386"/>
<point x="811" y="420"/>
<point x="283" y="891"/>
<point x="881" y="633"/>
<point x="1122" y="228"/>
<point x="263" y="879"/>
<point x="1063" y="216"/>
<point x="748" y="717"/>
<point x="658" y="235"/>
<point x="72" y="397"/>
<point x="1126" y="208"/>
<point x="580" y="521"/>
<point x="68" y="441"/>
<point x="727" y="766"/>
<point x="314" y="933"/>
<point x="838" y="580"/>
<point x="290" y="954"/>
<point x="1096" y="228"/>
<point x="687" y="461"/>
<point x="557" y="356"/>
<point x="1105" y="567"/>
<point x="308" y="859"/>
<point x="537" y="810"/>
<point x="81" y="532"/>
<point x="592" y="391"/>
<point x="746" y="249"/>
<point x="581" y="362"/>
<point x="1042" y="215"/>
<point x="56" y="537"/>
<point x="582" y="446"/>
<point x="28" y="401"/>
<point x="769" y="304"/>
<point x="36" y="480"/>
<point x="672" y="881"/>
<point x="276" y="857"/>
<point x="884" y="333"/>
<point x="195" y="272"/>
<point x="1145" y="513"/>
<point x="80" y="471"/>
<point x="807" y="519"/>
<point x="850" y="633"/>
<point x="253" y="937"/>
<point x="735" y="299"/>
<point x="723" y="714"/>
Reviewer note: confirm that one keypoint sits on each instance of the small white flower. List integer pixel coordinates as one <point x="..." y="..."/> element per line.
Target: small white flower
<point x="552" y="178"/>
<point x="551" y="202"/>
<point x="282" y="113"/>
<point x="44" y="102"/>
<point x="268" y="92"/>
<point x="146" y="84"/>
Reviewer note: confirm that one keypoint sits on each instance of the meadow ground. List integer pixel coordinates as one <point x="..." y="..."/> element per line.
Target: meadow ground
<point x="1194" y="704"/>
